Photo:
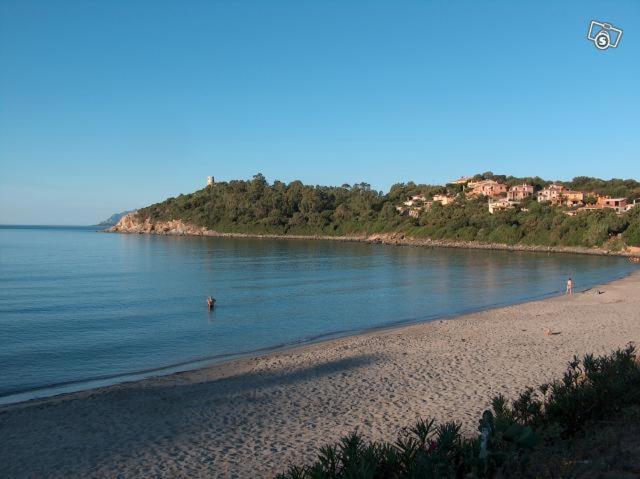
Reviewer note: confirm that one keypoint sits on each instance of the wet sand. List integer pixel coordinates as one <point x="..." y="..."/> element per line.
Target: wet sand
<point x="250" y="417"/>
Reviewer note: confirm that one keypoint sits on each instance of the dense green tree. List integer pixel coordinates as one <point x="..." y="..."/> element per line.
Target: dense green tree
<point x="632" y="234"/>
<point x="255" y="206"/>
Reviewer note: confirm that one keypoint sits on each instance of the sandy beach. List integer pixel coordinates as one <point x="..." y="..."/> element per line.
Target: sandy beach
<point x="251" y="417"/>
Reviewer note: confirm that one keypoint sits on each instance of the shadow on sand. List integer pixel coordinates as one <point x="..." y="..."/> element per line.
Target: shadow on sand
<point x="123" y="422"/>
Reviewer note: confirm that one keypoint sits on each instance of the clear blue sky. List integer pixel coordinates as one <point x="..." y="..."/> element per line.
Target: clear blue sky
<point x="112" y="105"/>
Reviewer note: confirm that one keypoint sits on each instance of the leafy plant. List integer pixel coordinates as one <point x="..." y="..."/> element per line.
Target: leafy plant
<point x="591" y="389"/>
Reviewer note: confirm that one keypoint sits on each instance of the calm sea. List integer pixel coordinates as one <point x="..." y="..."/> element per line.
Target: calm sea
<point x="79" y="308"/>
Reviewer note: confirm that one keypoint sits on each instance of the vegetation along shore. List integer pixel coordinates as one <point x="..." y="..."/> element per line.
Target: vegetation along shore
<point x="585" y="215"/>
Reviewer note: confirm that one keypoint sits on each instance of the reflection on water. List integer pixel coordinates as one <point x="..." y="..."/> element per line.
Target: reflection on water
<point x="78" y="305"/>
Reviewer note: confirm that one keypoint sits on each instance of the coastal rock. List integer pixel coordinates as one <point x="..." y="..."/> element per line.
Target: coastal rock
<point x="132" y="223"/>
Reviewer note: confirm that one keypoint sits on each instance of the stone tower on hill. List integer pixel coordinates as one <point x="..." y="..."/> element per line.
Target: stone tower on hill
<point x="210" y="180"/>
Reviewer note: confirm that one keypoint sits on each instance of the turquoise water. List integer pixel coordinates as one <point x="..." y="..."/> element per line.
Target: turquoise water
<point x="80" y="308"/>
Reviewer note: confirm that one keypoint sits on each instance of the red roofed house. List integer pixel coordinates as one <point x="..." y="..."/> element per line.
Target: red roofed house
<point x="519" y="192"/>
<point x="617" y="204"/>
<point x="488" y="188"/>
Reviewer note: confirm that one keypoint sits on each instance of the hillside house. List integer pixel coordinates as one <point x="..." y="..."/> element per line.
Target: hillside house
<point x="573" y="199"/>
<point x="617" y="204"/>
<point x="444" y="199"/>
<point x="519" y="192"/>
<point x="500" y="205"/>
<point x="552" y="194"/>
<point x="416" y="199"/>
<point x="489" y="188"/>
<point x="414" y="206"/>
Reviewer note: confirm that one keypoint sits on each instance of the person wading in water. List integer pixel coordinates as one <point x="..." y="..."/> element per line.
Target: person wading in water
<point x="211" y="302"/>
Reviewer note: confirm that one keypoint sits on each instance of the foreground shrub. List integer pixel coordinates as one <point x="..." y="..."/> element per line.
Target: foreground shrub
<point x="591" y="389"/>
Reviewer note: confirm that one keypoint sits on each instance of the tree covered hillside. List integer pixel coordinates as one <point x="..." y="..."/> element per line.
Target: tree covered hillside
<point x="258" y="207"/>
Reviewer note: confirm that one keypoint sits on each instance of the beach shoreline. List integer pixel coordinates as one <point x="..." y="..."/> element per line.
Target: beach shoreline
<point x="251" y="416"/>
<point x="48" y="392"/>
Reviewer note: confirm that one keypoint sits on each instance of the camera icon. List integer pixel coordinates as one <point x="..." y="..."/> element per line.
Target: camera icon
<point x="604" y="35"/>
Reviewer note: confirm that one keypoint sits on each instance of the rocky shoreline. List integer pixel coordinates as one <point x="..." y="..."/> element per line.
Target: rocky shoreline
<point x="132" y="225"/>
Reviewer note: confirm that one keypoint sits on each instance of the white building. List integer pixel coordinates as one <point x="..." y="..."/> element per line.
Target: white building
<point x="444" y="199"/>
<point x="210" y="180"/>
<point x="415" y="199"/>
<point x="501" y="205"/>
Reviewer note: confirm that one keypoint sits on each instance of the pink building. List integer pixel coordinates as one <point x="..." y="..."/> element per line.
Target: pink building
<point x="617" y="204"/>
<point x="520" y="192"/>
<point x="488" y="188"/>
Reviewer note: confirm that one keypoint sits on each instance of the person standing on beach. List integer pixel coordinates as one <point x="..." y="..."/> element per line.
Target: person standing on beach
<point x="569" y="286"/>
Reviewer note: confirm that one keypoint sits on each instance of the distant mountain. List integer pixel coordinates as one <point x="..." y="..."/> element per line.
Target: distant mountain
<point x="113" y="219"/>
